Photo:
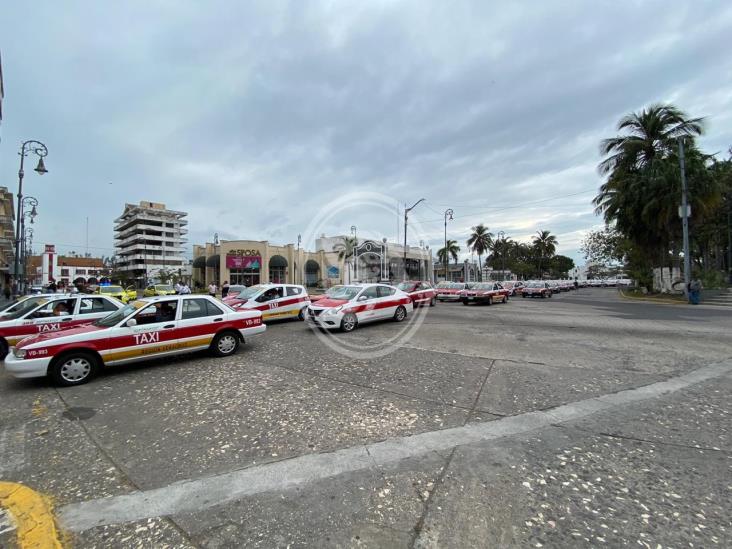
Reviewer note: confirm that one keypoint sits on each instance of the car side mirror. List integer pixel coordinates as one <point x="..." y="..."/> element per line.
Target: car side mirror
<point x="131" y="323"/>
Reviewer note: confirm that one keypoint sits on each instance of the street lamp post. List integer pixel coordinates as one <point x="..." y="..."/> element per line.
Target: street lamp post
<point x="31" y="214"/>
<point x="297" y="261"/>
<point x="406" y="214"/>
<point x="685" y="218"/>
<point x="502" y="238"/>
<point x="448" y="214"/>
<point x="40" y="150"/>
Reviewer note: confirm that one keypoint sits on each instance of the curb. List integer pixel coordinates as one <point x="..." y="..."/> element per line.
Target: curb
<point x="661" y="300"/>
<point x="32" y="514"/>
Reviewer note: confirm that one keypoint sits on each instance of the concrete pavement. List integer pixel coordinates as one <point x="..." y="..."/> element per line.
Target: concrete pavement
<point x="661" y="461"/>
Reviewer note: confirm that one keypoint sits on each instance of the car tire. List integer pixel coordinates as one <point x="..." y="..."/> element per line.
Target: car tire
<point x="523" y="295"/>
<point x="505" y="299"/>
<point x="73" y="368"/>
<point x="225" y="343"/>
<point x="4" y="349"/>
<point x="490" y="301"/>
<point x="433" y="302"/>
<point x="550" y="294"/>
<point x="349" y="322"/>
<point x="465" y="301"/>
<point x="400" y="314"/>
<point x="301" y="314"/>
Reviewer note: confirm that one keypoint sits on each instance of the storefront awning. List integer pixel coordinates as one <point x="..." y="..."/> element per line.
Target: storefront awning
<point x="199" y="262"/>
<point x="213" y="261"/>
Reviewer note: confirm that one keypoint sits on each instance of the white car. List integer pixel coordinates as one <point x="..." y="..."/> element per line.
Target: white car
<point x="275" y="301"/>
<point x="143" y="329"/>
<point x="52" y="314"/>
<point x="345" y="307"/>
<point x="23" y="301"/>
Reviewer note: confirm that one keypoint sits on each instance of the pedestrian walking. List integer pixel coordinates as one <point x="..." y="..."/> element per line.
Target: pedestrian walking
<point x="224" y="289"/>
<point x="178" y="288"/>
<point x="185" y="289"/>
<point x="695" y="288"/>
<point x="212" y="289"/>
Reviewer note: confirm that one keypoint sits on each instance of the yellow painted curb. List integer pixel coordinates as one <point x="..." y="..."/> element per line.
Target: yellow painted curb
<point x="653" y="299"/>
<point x="33" y="516"/>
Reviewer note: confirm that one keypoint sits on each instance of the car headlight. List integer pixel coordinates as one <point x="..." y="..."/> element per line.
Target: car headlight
<point x="335" y="310"/>
<point x="19" y="353"/>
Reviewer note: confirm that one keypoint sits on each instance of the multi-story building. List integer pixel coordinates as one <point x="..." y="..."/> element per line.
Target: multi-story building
<point x="7" y="235"/>
<point x="149" y="240"/>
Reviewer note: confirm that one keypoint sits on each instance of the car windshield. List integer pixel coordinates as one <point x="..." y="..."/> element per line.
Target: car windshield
<point x="343" y="292"/>
<point x="406" y="286"/>
<point x="482" y="286"/>
<point x="535" y="284"/>
<point x="15" y="304"/>
<point x="110" y="289"/>
<point x="24" y="307"/>
<point x="164" y="288"/>
<point x="117" y="316"/>
<point x="251" y="291"/>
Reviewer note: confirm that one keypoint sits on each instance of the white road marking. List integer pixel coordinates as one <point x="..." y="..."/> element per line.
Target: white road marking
<point x="12" y="450"/>
<point x="198" y="494"/>
<point x="6" y="522"/>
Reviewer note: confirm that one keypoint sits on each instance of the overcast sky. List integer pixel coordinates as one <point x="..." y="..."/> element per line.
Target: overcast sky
<point x="254" y="116"/>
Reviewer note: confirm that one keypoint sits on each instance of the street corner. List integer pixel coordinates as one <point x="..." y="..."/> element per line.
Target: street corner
<point x="26" y="519"/>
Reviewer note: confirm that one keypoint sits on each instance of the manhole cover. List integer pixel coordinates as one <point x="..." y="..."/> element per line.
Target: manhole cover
<point x="79" y="412"/>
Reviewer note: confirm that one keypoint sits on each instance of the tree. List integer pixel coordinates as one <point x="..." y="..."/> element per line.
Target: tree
<point x="603" y="247"/>
<point x="545" y="245"/>
<point x="560" y="265"/>
<point x="451" y="250"/>
<point x="480" y="242"/>
<point x="346" y="249"/>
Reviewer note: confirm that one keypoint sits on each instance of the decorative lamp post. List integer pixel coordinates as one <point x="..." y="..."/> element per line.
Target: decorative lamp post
<point x="40" y="150"/>
<point x="448" y="217"/>
<point x="406" y="214"/>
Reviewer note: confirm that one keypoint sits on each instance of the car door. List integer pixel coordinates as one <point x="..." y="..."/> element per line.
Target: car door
<point x="55" y="315"/>
<point x="150" y="331"/>
<point x="294" y="300"/>
<point x="367" y="301"/>
<point x="269" y="301"/>
<point x="387" y="304"/>
<point x="199" y="321"/>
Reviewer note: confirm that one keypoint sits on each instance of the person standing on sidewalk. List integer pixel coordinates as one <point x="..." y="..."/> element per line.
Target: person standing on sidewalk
<point x="695" y="288"/>
<point x="224" y="289"/>
<point x="212" y="289"/>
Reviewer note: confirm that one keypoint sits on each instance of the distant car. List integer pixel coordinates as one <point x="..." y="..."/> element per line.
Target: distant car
<point x="52" y="314"/>
<point x="485" y="292"/>
<point x="422" y="293"/>
<point x="116" y="292"/>
<point x="610" y="282"/>
<point x="450" y="291"/>
<point x="275" y="301"/>
<point x="144" y="329"/>
<point x="513" y="286"/>
<point x="537" y="289"/>
<point x="130" y="294"/>
<point x="346" y="307"/>
<point x="158" y="289"/>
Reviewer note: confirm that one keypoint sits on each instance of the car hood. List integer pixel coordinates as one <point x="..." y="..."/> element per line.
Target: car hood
<point x="330" y="302"/>
<point x="76" y="330"/>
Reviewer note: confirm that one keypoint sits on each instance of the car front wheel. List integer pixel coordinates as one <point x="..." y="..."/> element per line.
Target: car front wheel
<point x="74" y="368"/>
<point x="433" y="301"/>
<point x="225" y="344"/>
<point x="349" y="322"/>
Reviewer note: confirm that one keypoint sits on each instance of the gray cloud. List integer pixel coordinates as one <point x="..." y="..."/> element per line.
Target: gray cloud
<point x="252" y="117"/>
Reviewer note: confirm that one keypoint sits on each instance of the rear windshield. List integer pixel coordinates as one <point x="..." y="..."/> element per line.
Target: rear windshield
<point x="111" y="289"/>
<point x="25" y="307"/>
<point x="343" y="292"/>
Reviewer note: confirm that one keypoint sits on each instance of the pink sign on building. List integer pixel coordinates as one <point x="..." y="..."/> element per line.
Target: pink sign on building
<point x="253" y="262"/>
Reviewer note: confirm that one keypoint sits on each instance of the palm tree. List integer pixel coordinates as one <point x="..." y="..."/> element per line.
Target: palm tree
<point x="346" y="248"/>
<point x="545" y="245"/>
<point x="480" y="242"/>
<point x="451" y="250"/>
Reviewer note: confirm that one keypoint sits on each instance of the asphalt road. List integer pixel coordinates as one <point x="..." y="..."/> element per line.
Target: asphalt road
<point x="581" y="420"/>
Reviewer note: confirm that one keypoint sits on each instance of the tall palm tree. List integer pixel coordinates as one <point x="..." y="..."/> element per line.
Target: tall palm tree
<point x="480" y="241"/>
<point x="451" y="250"/>
<point x="346" y="248"/>
<point x="545" y="245"/>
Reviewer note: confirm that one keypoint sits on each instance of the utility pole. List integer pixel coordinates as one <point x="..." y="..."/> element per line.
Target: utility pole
<point x="406" y="215"/>
<point x="685" y="218"/>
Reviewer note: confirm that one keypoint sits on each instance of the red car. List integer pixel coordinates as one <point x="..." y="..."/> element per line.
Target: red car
<point x="514" y="287"/>
<point x="450" y="291"/>
<point x="537" y="289"/>
<point x="421" y="293"/>
<point x="485" y="292"/>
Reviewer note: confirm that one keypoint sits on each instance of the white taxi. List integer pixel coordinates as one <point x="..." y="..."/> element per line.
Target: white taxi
<point x="52" y="314"/>
<point x="345" y="307"/>
<point x="275" y="301"/>
<point x="143" y="329"/>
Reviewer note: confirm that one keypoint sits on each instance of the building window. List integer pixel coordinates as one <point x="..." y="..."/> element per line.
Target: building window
<point x="246" y="277"/>
<point x="80" y="271"/>
<point x="64" y="272"/>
